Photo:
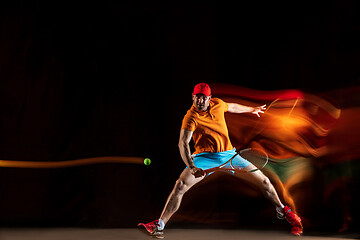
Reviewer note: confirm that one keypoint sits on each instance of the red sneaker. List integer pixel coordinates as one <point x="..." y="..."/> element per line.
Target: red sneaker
<point x="294" y="220"/>
<point x="153" y="228"/>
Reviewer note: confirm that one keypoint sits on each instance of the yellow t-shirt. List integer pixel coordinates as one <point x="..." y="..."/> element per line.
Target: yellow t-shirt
<point x="210" y="133"/>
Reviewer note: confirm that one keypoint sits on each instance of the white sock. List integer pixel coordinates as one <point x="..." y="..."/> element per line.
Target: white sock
<point x="161" y="224"/>
<point x="279" y="209"/>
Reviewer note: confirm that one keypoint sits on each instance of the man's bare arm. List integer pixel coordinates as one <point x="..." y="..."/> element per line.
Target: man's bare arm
<point x="184" y="147"/>
<point x="238" y="108"/>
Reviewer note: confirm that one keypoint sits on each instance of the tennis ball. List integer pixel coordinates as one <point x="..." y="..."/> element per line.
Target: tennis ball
<point x="147" y="161"/>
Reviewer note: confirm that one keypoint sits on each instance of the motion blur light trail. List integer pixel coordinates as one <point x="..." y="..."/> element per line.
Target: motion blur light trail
<point x="70" y="163"/>
<point x="294" y="124"/>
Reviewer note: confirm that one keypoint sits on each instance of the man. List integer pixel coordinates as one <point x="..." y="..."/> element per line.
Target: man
<point x="205" y="123"/>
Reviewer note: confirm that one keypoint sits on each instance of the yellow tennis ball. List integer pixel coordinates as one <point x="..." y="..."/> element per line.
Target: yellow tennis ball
<point x="147" y="161"/>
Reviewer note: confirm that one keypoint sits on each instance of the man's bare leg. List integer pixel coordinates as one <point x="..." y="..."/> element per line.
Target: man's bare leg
<point x="263" y="183"/>
<point x="182" y="185"/>
<point x="258" y="179"/>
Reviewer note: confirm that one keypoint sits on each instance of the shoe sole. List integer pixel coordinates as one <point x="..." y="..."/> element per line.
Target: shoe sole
<point x="158" y="236"/>
<point x="143" y="229"/>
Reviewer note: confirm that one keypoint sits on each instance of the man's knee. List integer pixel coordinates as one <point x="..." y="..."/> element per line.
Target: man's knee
<point x="266" y="181"/>
<point x="266" y="184"/>
<point x="180" y="187"/>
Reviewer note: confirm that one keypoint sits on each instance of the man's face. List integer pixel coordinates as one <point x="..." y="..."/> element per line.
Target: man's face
<point x="201" y="101"/>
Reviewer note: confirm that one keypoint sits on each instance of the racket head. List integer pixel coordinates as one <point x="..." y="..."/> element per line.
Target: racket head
<point x="255" y="156"/>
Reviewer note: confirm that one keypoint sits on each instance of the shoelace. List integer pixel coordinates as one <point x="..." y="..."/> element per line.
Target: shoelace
<point x="155" y="224"/>
<point x="151" y="226"/>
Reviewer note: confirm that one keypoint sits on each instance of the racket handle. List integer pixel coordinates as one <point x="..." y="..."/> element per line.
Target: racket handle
<point x="210" y="170"/>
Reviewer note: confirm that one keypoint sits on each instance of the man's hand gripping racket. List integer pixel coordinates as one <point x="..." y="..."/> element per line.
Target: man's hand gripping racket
<point x="197" y="172"/>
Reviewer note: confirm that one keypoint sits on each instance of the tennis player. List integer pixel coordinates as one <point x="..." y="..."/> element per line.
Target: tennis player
<point x="205" y="124"/>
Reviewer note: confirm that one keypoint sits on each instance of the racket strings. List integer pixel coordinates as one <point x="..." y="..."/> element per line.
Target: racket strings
<point x="257" y="157"/>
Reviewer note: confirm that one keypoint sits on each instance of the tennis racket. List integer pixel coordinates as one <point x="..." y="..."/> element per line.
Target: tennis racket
<point x="257" y="157"/>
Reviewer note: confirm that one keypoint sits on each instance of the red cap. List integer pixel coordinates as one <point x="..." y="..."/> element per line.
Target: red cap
<point x="202" y="88"/>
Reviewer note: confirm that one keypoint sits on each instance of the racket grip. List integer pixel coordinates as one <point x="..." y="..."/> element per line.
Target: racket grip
<point x="210" y="170"/>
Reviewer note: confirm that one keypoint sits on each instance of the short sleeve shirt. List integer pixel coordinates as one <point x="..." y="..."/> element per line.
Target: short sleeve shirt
<point x="210" y="133"/>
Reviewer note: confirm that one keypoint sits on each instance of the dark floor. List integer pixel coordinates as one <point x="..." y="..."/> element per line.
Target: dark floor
<point x="133" y="234"/>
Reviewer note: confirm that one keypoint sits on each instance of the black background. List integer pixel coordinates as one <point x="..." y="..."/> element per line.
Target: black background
<point x="106" y="78"/>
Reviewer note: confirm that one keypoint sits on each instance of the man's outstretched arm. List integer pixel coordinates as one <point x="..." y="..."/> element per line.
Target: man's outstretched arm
<point x="238" y="108"/>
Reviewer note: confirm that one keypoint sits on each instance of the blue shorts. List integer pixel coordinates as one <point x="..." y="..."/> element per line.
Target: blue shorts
<point x="208" y="160"/>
